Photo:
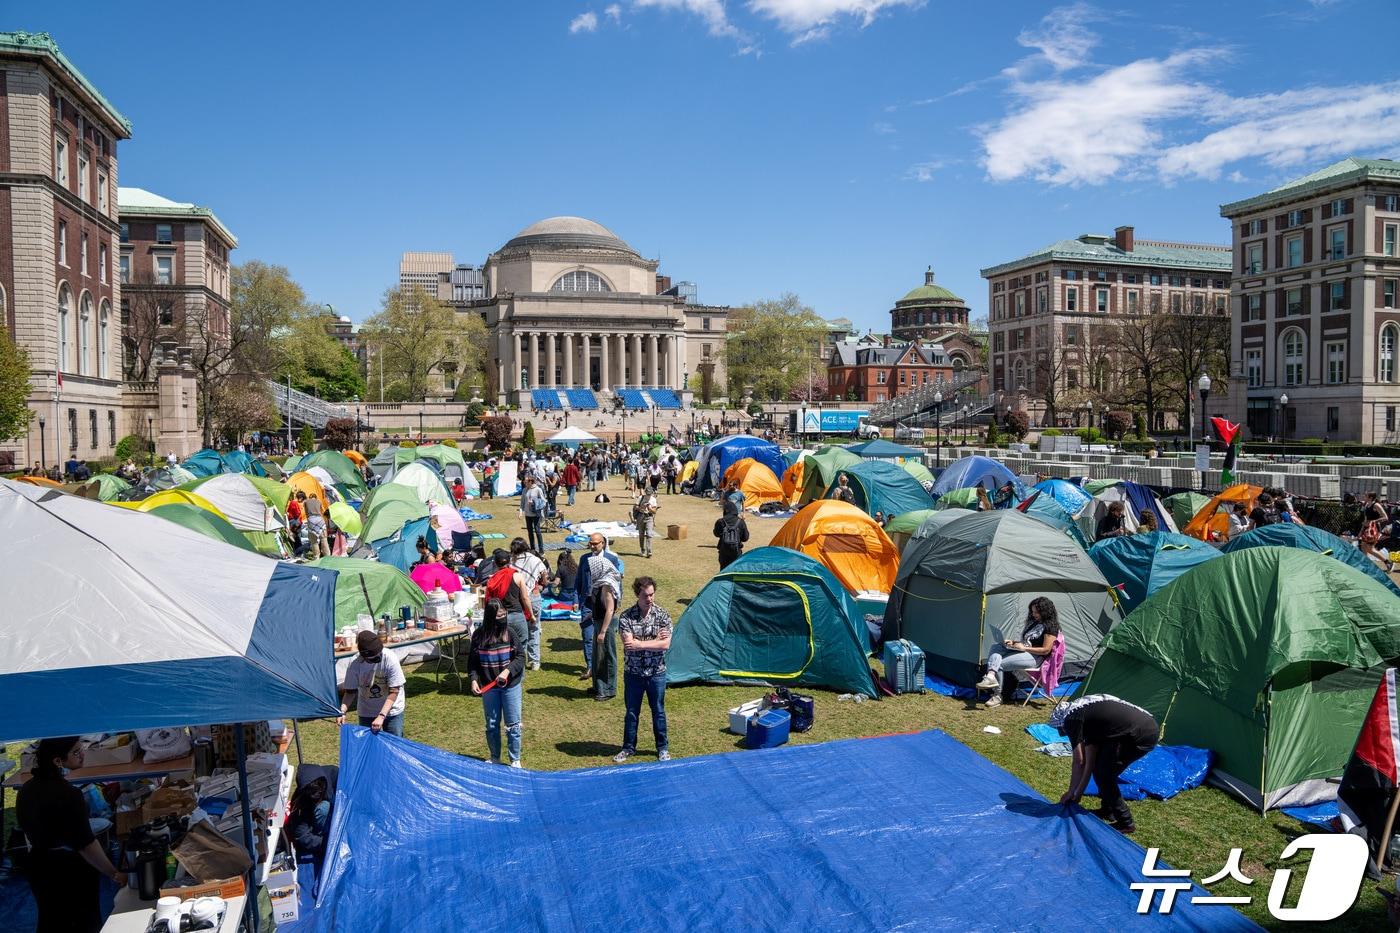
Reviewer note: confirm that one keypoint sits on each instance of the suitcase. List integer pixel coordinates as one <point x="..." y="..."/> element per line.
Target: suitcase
<point x="768" y="729"/>
<point x="904" y="666"/>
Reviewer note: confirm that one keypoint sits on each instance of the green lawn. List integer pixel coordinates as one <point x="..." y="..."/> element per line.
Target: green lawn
<point x="563" y="728"/>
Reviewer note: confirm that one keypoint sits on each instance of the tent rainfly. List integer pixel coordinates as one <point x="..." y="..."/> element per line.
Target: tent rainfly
<point x="881" y="486"/>
<point x="1139" y="565"/>
<point x="847" y="542"/>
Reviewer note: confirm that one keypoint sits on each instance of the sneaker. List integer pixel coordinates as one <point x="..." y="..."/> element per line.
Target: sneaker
<point x="622" y="756"/>
<point x="989" y="682"/>
<point x="1126" y="827"/>
<point x="534" y="665"/>
<point x="663" y="755"/>
<point x="586" y="675"/>
<point x="516" y="764"/>
<point x="494" y="761"/>
<point x="994" y="701"/>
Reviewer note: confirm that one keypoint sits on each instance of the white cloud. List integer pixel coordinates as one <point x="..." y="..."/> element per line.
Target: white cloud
<point x="803" y="17"/>
<point x="711" y="13"/>
<point x="584" y="22"/>
<point x="923" y="171"/>
<point x="884" y="129"/>
<point x="1061" y="38"/>
<point x="613" y="12"/>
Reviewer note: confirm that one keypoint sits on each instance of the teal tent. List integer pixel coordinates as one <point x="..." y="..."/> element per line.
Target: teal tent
<point x="772" y="616"/>
<point x="882" y="486"/>
<point x="880" y="449"/>
<point x="1285" y="534"/>
<point x="1045" y="507"/>
<point x="347" y="476"/>
<point x="1139" y="565"/>
<point x="206" y="462"/>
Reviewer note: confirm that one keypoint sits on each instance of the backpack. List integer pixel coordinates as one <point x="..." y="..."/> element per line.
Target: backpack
<point x="731" y="535"/>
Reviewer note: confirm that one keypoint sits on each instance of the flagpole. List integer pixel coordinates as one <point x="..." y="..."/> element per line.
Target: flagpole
<point x="1384" y="843"/>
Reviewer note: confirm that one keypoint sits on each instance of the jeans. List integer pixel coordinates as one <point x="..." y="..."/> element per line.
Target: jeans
<point x="1005" y="662"/>
<point x="572" y="489"/>
<point x="533" y="536"/>
<point x="532" y="648"/>
<point x="1113" y="759"/>
<point x="392" y="724"/>
<point x="604" y="664"/>
<point x="671" y="484"/>
<point x="505" y="699"/>
<point x="585" y="628"/>
<point x="634" y="687"/>
<point x="515" y="621"/>
<point x="590" y="481"/>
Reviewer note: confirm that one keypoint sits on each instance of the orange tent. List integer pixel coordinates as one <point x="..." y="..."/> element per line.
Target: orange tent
<point x="302" y="481"/>
<point x="847" y="541"/>
<point x="756" y="482"/>
<point x="792" y="481"/>
<point x="38" y="481"/>
<point x="356" y="458"/>
<point x="1212" y="523"/>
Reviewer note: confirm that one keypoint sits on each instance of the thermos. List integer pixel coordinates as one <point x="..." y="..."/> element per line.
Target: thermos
<point x="203" y="757"/>
<point x="150" y="870"/>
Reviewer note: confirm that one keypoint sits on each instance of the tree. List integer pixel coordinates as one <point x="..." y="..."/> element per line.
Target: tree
<point x="149" y="312"/>
<point x="527" y="437"/>
<point x="242" y="405"/>
<point x="497" y="430"/>
<point x="1117" y="423"/>
<point x="1018" y="423"/>
<point x="339" y="433"/>
<point x="774" y="346"/>
<point x="1193" y="344"/>
<point x="993" y="432"/>
<point x="1139" y="345"/>
<point x="306" y="439"/>
<point x="318" y="363"/>
<point x="816" y="389"/>
<point x="15" y="413"/>
<point x="415" y="337"/>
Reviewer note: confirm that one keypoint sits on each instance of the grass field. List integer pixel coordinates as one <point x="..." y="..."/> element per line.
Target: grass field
<point x="563" y="728"/>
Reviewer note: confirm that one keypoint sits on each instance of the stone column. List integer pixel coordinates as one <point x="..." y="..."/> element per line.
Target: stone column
<point x="585" y="359"/>
<point x="568" y="359"/>
<point x="549" y="361"/>
<point x="604" y="376"/>
<point x="517" y="361"/>
<point x="653" y="360"/>
<point x="534" y="361"/>
<point x="636" y="360"/>
<point x="620" y="346"/>
<point x="673" y="370"/>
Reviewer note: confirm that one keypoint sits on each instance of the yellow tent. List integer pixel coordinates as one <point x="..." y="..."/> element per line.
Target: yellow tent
<point x="688" y="471"/>
<point x="847" y="541"/>
<point x="302" y="481"/>
<point x="39" y="481"/>
<point x="356" y="458"/>
<point x="1211" y="525"/>
<point x="792" y="481"/>
<point x="173" y="497"/>
<point x="756" y="482"/>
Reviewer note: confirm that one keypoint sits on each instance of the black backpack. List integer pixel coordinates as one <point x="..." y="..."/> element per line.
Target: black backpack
<point x="731" y="535"/>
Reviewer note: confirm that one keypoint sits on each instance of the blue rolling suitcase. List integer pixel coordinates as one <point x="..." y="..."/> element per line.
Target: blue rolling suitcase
<point x="904" y="666"/>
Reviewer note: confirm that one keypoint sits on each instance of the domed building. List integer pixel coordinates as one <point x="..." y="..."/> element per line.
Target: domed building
<point x="927" y="312"/>
<point x="571" y="306"/>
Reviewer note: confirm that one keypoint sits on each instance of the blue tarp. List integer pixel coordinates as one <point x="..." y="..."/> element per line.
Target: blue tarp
<point x="1162" y="773"/>
<point x="1319" y="814"/>
<point x="718" y="457"/>
<point x="771" y="840"/>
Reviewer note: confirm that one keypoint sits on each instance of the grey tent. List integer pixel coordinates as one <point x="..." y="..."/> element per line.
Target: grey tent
<point x="966" y="583"/>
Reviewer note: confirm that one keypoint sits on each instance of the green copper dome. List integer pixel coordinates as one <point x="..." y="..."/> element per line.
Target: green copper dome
<point x="929" y="292"/>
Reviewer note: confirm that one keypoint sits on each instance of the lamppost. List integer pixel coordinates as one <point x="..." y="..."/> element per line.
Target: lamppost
<point x="938" y="427"/>
<point x="356" y="400"/>
<point x="421" y="406"/>
<point x="1090" y="406"/>
<point x="43" y="454"/>
<point x="1203" y="386"/>
<point x="151" y="437"/>
<point x="966" y="421"/>
<point x="1282" y="411"/>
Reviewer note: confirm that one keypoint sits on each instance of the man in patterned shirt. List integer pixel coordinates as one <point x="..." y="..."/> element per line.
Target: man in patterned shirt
<point x="646" y="637"/>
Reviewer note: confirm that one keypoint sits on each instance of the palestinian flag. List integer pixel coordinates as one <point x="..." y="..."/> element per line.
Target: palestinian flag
<point x="1229" y="434"/>
<point x="1370" y="779"/>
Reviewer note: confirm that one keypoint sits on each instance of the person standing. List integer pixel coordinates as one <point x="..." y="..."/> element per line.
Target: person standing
<point x="296" y="514"/>
<point x="532" y="506"/>
<point x="536" y="572"/>
<point x="644" y="517"/>
<point x="599" y="589"/>
<point x="672" y="469"/>
<point x="646" y="637"/>
<point x="316" y="540"/>
<point x="1107" y="735"/>
<point x="571" y="478"/>
<point x="377" y="680"/>
<point x="496" y="668"/>
<point x="66" y="862"/>
<point x="551" y="488"/>
<point x="511" y="589"/>
<point x="843" y="491"/>
<point x="731" y="531"/>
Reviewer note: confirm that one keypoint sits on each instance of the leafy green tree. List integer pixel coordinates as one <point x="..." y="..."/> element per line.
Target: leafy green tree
<point x="774" y="346"/>
<point x="993" y="432"/>
<point x="317" y="362"/>
<point x="416" y="338"/>
<point x="1018" y="424"/>
<point x="527" y="437"/>
<point x="15" y="413"/>
<point x="306" y="439"/>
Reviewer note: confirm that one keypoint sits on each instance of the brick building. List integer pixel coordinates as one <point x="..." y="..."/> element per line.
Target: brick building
<point x="1316" y="316"/>
<point x="1049" y="311"/>
<point x="58" y="213"/>
<point x="928" y="311"/>
<point x="861" y="373"/>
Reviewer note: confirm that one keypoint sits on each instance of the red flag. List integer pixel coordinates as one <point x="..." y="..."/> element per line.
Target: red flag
<point x="1029" y="499"/>
<point x="1224" y="430"/>
<point x="1370" y="779"/>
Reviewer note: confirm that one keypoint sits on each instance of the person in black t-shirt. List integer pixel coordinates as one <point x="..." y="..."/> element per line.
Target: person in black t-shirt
<point x="1107" y="734"/>
<point x="1263" y="512"/>
<point x="1112" y="524"/>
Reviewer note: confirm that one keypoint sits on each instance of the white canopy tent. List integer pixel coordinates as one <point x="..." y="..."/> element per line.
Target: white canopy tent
<point x="572" y="437"/>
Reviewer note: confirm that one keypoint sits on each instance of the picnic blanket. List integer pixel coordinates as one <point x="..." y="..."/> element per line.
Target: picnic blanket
<point x="472" y="515"/>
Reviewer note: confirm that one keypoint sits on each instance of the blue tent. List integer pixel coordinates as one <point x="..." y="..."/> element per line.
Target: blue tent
<point x="401" y="548"/>
<point x="882" y="486"/>
<point x="206" y="462"/>
<point x="1286" y="534"/>
<point x="881" y="449"/>
<point x="1047" y="508"/>
<point x="718" y="457"/>
<point x="1070" y="497"/>
<point x="974" y="471"/>
<point x="236" y="461"/>
<point x="1139" y="565"/>
<point x="686" y="837"/>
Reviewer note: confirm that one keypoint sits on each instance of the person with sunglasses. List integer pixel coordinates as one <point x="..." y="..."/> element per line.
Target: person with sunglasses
<point x="376" y="678"/>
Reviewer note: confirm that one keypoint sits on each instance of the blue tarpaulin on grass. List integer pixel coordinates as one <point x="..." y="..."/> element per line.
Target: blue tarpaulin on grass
<point x="760" y="840"/>
<point x="1163" y="773"/>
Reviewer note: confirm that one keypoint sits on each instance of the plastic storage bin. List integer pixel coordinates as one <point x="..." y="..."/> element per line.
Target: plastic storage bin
<point x="768" y="729"/>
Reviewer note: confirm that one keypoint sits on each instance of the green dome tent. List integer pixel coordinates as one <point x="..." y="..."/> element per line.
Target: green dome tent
<point x="1183" y="506"/>
<point x="920" y="472"/>
<point x="1268" y="657"/>
<point x="966" y="582"/>
<point x="104" y="487"/>
<point x="881" y="486"/>
<point x="204" y="522"/>
<point x="819" y="469"/>
<point x="902" y="527"/>
<point x="966" y="498"/>
<point x="772" y="616"/>
<point x="389" y="508"/>
<point x="341" y="468"/>
<point x="369" y="586"/>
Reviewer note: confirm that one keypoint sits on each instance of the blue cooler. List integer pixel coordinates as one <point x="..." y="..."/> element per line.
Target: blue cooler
<point x="768" y="729"/>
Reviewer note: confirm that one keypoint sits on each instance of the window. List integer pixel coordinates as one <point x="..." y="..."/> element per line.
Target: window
<point x="998" y="307"/>
<point x="1198" y="303"/>
<point x="1337" y="296"/>
<point x="1133" y="301"/>
<point x="112" y="428"/>
<point x="1072" y="298"/>
<point x="580" y="280"/>
<point x="1254" y="258"/>
<point x="1385" y="369"/>
<point x="102" y="203"/>
<point x="1336" y="362"/>
<point x="102" y="263"/>
<point x="1071" y="334"/>
<point x="64" y="299"/>
<point x="1177" y="302"/>
<point x="1156" y="302"/>
<point x="1042" y="299"/>
<point x="1020" y="374"/>
<point x="1295" y="218"/>
<point x="1156" y="279"/>
<point x="705" y="350"/>
<point x="880" y="377"/>
<point x="998" y="342"/>
<point x="1101" y="276"/>
<point x="104" y="338"/>
<point x="164" y="234"/>
<point x="63" y="243"/>
<point x="84" y="333"/>
<point x="1337" y="243"/>
<point x="1293" y="301"/>
<point x="1388" y="293"/>
<point x="1390" y="417"/>
<point x="92" y="428"/>
<point x="165" y="270"/>
<point x="83" y="254"/>
<point x="1101" y="300"/>
<point x="1176" y="281"/>
<point x="1069" y="274"/>
<point x="1254" y="368"/>
<point x="82" y="175"/>
<point x="1333" y="419"/>
<point x="1072" y="378"/>
<point x="72" y="429"/>
<point x="1131" y="278"/>
<point x="1293" y="249"/>
<point x="1254" y="307"/>
<point x="1391" y="202"/>
<point x="1198" y="283"/>
<point x="1220" y="302"/>
<point x="704" y="323"/>
<point x="1020" y="304"/>
<point x="1389" y="234"/>
<point x="1338" y="207"/>
<point x="60" y="160"/>
<point x="126" y="233"/>
<point x="125" y="268"/>
<point x="1257" y="227"/>
<point x="901" y="377"/>
<point x="1293" y="367"/>
<point x="165" y="313"/>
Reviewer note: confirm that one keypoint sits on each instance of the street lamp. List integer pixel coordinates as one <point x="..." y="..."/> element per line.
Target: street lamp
<point x="966" y="422"/>
<point x="1282" y="408"/>
<point x="1090" y="405"/>
<point x="938" y="427"/>
<point x="43" y="455"/>
<point x="1203" y="386"/>
<point x="421" y="406"/>
<point x="356" y="400"/>
<point x="151" y="437"/>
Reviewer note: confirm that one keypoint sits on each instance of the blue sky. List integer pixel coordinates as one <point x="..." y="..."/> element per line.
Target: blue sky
<point x="832" y="148"/>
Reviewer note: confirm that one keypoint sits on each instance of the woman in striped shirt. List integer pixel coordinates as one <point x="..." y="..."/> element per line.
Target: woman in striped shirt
<point x="497" y="669"/>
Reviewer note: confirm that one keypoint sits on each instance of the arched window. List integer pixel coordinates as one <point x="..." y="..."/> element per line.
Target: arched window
<point x="64" y="302"/>
<point x="1385" y="371"/>
<point x="1294" y="364"/>
<point x="104" y="337"/>
<point x="84" y="332"/>
<point x="580" y="281"/>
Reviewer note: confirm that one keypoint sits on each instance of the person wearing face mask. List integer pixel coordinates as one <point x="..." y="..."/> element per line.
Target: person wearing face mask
<point x="376" y="678"/>
<point x="66" y="861"/>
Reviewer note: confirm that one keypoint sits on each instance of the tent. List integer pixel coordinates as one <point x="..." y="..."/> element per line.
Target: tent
<point x="880" y="449"/>
<point x="968" y="586"/>
<point x="1183" y="505"/>
<point x="792" y="481"/>
<point x="848" y="542"/>
<point x="973" y="471"/>
<point x="1212" y="520"/>
<point x="327" y="481"/>
<point x="1139" y="565"/>
<point x="400" y="548"/>
<point x="172" y="497"/>
<point x="718" y="457"/>
<point x="238" y="461"/>
<point x="794" y="455"/>
<point x="426" y="482"/>
<point x="1136" y="499"/>
<point x="169" y="477"/>
<point x="429" y="576"/>
<point x="572" y="437"/>
<point x="819" y="469"/>
<point x="206" y="462"/>
<point x="902" y="527"/>
<point x="388" y="509"/>
<point x="345" y="476"/>
<point x="1268" y="657"/>
<point x="40" y="481"/>
<point x="1070" y="497"/>
<point x="451" y="464"/>
<point x="204" y="522"/>
<point x="920" y="472"/>
<point x="756" y="482"/>
<point x="104" y="487"/>
<point x="970" y="498"/>
<point x="1044" y="507"/>
<point x="384" y="462"/>
<point x="305" y="482"/>
<point x="881" y="486"/>
<point x="356" y="458"/>
<point x="346" y="519"/>
<point x="370" y="587"/>
<point x="448" y="519"/>
<point x="688" y="470"/>
<point x="1287" y="534"/>
<point x="270" y="469"/>
<point x="242" y="501"/>
<point x="772" y="616"/>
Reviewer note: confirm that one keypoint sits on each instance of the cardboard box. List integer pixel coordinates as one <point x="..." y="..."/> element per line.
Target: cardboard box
<point x="228" y="888"/>
<point x="112" y="752"/>
<point x="677" y="532"/>
<point x="283" y="893"/>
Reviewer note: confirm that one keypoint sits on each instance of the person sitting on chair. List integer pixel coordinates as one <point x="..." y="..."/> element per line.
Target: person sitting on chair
<point x="1037" y="641"/>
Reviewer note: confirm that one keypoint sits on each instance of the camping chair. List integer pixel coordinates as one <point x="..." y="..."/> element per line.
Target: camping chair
<point x="552" y="521"/>
<point x="1047" y="677"/>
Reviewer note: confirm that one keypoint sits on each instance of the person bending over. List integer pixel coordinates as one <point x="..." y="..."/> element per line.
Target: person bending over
<point x="1107" y="735"/>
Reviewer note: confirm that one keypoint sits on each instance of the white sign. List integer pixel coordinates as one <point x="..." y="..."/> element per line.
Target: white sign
<point x="1202" y="458"/>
